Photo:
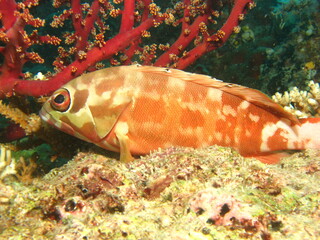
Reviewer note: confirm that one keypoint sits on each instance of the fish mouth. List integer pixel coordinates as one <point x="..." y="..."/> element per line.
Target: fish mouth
<point x="46" y="117"/>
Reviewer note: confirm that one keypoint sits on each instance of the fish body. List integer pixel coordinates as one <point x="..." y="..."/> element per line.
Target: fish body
<point x="135" y="109"/>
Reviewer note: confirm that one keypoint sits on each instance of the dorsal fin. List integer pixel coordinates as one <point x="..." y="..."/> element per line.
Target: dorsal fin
<point x="253" y="96"/>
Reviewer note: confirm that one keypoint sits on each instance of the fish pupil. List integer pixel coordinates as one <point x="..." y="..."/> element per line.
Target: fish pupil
<point x="59" y="99"/>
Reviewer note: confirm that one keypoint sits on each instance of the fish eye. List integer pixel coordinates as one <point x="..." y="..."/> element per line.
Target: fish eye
<point x="60" y="100"/>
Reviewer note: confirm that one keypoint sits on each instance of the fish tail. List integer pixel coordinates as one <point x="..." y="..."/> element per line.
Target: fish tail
<point x="307" y="136"/>
<point x="309" y="133"/>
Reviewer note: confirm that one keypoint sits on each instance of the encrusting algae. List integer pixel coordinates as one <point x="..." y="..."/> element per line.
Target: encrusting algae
<point x="177" y="193"/>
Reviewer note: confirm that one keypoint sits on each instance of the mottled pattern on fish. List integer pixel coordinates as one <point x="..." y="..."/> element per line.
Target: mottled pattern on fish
<point x="136" y="109"/>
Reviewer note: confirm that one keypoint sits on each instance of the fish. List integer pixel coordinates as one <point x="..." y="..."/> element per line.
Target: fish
<point x="136" y="109"/>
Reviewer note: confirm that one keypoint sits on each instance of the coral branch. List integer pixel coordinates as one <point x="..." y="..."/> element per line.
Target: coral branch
<point x="96" y="54"/>
<point x="7" y="8"/>
<point x="218" y="39"/>
<point x="83" y="26"/>
<point x="127" y="16"/>
<point x="29" y="123"/>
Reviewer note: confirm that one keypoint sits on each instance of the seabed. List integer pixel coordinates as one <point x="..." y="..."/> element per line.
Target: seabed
<point x="177" y="193"/>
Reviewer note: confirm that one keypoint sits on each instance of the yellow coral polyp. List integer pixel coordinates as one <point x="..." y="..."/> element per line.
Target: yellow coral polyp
<point x="309" y="65"/>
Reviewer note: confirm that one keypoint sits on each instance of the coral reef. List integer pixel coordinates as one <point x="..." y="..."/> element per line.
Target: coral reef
<point x="296" y="46"/>
<point x="276" y="49"/>
<point x="178" y="193"/>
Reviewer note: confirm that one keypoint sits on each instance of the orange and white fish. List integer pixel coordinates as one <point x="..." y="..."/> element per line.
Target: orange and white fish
<point x="136" y="109"/>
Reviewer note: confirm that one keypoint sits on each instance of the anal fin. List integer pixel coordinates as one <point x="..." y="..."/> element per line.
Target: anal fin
<point x="270" y="158"/>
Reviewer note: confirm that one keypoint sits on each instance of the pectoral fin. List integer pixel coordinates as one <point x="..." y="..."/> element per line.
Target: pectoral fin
<point x="124" y="141"/>
<point x="125" y="155"/>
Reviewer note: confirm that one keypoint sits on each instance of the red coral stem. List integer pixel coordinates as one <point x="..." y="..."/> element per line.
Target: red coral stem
<point x="127" y="16"/>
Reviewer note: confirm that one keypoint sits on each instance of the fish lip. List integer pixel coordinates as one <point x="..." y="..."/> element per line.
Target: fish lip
<point x="45" y="116"/>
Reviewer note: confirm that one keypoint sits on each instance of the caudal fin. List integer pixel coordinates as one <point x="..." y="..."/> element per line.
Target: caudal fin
<point x="309" y="133"/>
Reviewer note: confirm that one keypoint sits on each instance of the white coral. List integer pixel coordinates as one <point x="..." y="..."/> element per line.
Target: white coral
<point x="7" y="163"/>
<point x="301" y="103"/>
